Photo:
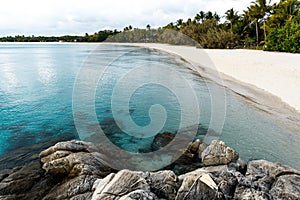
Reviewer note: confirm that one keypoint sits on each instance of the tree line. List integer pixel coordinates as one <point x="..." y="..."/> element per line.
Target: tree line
<point x="262" y="25"/>
<point x="96" y="37"/>
<point x="273" y="27"/>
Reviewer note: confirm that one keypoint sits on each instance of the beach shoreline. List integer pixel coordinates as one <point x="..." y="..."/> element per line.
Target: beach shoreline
<point x="261" y="82"/>
<point x="275" y="72"/>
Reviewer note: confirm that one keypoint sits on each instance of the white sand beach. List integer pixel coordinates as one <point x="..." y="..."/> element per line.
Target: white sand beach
<point x="276" y="73"/>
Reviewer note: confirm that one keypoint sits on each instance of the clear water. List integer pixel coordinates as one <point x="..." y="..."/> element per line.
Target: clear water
<point x="36" y="88"/>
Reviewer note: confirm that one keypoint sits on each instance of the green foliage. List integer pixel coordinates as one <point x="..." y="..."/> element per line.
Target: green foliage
<point x="286" y="38"/>
<point x="218" y="39"/>
<point x="23" y="38"/>
<point x="170" y="36"/>
<point x="274" y="26"/>
<point x="96" y="37"/>
<point x="285" y="10"/>
<point x="136" y="35"/>
<point x="209" y="34"/>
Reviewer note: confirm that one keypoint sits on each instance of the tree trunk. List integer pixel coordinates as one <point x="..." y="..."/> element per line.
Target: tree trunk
<point x="265" y="34"/>
<point x="257" y="39"/>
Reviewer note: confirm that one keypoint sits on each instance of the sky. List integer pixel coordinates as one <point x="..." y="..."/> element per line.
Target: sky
<point x="77" y="17"/>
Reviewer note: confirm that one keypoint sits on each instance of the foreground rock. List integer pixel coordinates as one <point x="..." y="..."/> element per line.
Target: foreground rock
<point x="267" y="180"/>
<point x="74" y="158"/>
<point x="208" y="183"/>
<point x="76" y="170"/>
<point x="128" y="184"/>
<point x="26" y="182"/>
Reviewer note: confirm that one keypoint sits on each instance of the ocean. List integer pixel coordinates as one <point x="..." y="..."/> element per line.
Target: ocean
<point x="130" y="94"/>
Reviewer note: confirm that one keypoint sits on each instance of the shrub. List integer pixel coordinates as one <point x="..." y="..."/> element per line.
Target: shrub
<point x="285" y="39"/>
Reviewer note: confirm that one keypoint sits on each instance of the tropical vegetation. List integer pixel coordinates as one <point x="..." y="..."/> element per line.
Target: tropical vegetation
<point x="262" y="25"/>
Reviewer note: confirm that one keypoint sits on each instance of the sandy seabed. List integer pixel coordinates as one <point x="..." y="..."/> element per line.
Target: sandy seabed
<point x="276" y="73"/>
<point x="269" y="80"/>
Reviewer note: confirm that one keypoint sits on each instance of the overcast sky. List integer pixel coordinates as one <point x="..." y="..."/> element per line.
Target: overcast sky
<point x="76" y="17"/>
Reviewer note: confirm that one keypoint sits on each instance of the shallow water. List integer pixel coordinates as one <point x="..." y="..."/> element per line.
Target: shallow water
<point x="36" y="91"/>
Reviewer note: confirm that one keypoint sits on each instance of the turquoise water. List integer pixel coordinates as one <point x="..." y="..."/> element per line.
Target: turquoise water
<point x="36" y="91"/>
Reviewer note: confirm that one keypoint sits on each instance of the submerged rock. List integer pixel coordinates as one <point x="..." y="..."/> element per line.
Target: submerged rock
<point x="161" y="140"/>
<point x="28" y="154"/>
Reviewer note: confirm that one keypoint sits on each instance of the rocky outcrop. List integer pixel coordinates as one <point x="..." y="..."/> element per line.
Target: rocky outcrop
<point x="79" y="187"/>
<point x="208" y="183"/>
<point x="25" y="182"/>
<point x="128" y="184"/>
<point x="217" y="153"/>
<point x="139" y="194"/>
<point x="267" y="180"/>
<point x="117" y="185"/>
<point x="163" y="183"/>
<point x="74" y="158"/>
<point x="76" y="170"/>
<point x="286" y="187"/>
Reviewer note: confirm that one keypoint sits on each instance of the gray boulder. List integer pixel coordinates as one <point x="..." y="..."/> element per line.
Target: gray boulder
<point x="74" y="158"/>
<point x="209" y="183"/>
<point x="217" y="153"/>
<point x="114" y="186"/>
<point x="139" y="194"/>
<point x="164" y="184"/>
<point x="25" y="182"/>
<point x="267" y="180"/>
<point x="76" y="188"/>
<point x="286" y="187"/>
<point x="127" y="184"/>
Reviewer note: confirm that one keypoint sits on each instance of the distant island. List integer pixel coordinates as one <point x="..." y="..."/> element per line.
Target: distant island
<point x="273" y="27"/>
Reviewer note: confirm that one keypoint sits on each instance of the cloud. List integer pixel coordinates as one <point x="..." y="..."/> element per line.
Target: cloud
<point x="56" y="17"/>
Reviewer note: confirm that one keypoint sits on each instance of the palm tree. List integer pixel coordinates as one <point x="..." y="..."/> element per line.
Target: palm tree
<point x="217" y="17"/>
<point x="209" y="15"/>
<point x="148" y="27"/>
<point x="243" y="26"/>
<point x="285" y="10"/>
<point x="231" y="16"/>
<point x="200" y="16"/>
<point x="179" y="22"/>
<point x="254" y="16"/>
<point x="170" y="26"/>
<point x="189" y="21"/>
<point x="257" y="12"/>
